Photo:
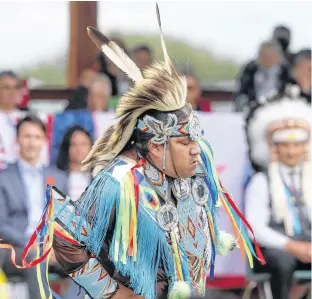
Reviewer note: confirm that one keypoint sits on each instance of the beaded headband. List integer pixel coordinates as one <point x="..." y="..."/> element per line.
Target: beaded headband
<point x="162" y="131"/>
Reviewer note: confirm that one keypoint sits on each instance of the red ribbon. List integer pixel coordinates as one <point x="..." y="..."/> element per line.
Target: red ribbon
<point x="136" y="197"/>
<point x="25" y="264"/>
<point x="64" y="237"/>
<point x="257" y="248"/>
<point x="136" y="184"/>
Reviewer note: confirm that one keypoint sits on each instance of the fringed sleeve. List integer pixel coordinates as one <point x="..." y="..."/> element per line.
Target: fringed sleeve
<point x="91" y="227"/>
<point x="82" y="231"/>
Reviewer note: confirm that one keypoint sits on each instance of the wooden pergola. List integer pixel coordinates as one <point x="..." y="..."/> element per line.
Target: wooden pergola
<point x="82" y="51"/>
<point x="82" y="54"/>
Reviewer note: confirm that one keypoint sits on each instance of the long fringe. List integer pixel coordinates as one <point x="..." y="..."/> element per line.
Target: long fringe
<point x="133" y="251"/>
<point x="96" y="206"/>
<point x="152" y="252"/>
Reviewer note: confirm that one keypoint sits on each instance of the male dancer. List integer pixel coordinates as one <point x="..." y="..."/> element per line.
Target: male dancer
<point x="146" y="225"/>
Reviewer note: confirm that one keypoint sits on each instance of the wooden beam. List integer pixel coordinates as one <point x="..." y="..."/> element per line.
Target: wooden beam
<point x="82" y="51"/>
<point x="56" y="93"/>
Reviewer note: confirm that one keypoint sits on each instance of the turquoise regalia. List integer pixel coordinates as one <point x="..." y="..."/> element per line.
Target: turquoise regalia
<point x="130" y="194"/>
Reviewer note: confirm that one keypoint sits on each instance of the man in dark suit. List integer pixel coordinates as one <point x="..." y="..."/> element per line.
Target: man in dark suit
<point x="22" y="197"/>
<point x="262" y="77"/>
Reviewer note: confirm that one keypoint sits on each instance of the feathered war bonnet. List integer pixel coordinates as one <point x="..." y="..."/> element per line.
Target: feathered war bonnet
<point x="159" y="87"/>
<point x="282" y="118"/>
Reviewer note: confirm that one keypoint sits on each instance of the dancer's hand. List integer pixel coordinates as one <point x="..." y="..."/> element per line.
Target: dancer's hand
<point x="301" y="250"/>
<point x="125" y="293"/>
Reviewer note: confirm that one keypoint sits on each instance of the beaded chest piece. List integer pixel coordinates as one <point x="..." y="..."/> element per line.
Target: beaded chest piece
<point x="190" y="218"/>
<point x="191" y="193"/>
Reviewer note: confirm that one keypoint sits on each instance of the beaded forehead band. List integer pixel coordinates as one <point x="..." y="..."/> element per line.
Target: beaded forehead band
<point x="162" y="131"/>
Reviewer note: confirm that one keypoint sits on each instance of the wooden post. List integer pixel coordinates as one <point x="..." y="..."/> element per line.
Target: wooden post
<point x="82" y="51"/>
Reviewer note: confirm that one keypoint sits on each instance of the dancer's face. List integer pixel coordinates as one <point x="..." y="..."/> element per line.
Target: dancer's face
<point x="290" y="153"/>
<point x="182" y="156"/>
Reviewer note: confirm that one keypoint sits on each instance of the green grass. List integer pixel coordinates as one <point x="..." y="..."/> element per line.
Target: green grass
<point x="50" y="74"/>
<point x="208" y="67"/>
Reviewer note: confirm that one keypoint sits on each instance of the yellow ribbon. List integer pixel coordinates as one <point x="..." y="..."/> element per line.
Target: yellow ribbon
<point x="38" y="268"/>
<point x="3" y="286"/>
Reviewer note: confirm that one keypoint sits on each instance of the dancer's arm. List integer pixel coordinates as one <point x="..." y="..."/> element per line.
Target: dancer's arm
<point x="84" y="269"/>
<point x="88" y="272"/>
<point x="74" y="242"/>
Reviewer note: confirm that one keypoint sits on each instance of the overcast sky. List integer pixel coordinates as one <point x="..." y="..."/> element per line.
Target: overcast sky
<point x="33" y="31"/>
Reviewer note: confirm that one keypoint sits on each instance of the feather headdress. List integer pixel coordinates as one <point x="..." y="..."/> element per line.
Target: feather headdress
<point x="159" y="87"/>
<point x="287" y="118"/>
<point x="276" y="114"/>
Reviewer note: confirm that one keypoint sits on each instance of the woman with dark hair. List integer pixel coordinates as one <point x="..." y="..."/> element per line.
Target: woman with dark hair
<point x="75" y="146"/>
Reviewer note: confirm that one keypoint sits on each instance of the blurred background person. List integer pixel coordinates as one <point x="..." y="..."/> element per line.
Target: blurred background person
<point x="142" y="56"/>
<point x="79" y="97"/>
<point x="194" y="92"/>
<point x="10" y="91"/>
<point x="99" y="94"/>
<point x="94" y="93"/>
<point x="301" y="73"/>
<point x="262" y="77"/>
<point x="74" y="147"/>
<point x="278" y="197"/>
<point x="22" y="197"/>
<point x="282" y="35"/>
<point x="119" y="82"/>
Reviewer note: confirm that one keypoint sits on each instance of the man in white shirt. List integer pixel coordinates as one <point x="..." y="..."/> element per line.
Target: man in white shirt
<point x="279" y="195"/>
<point x="22" y="197"/>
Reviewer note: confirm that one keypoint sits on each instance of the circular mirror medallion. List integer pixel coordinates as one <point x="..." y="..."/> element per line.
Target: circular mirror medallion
<point x="200" y="191"/>
<point x="167" y="217"/>
<point x="181" y="189"/>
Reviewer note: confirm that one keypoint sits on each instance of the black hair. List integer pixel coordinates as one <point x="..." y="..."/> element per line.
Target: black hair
<point x="30" y="119"/>
<point x="144" y="48"/>
<point x="281" y="28"/>
<point x="62" y="161"/>
<point x="140" y="139"/>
